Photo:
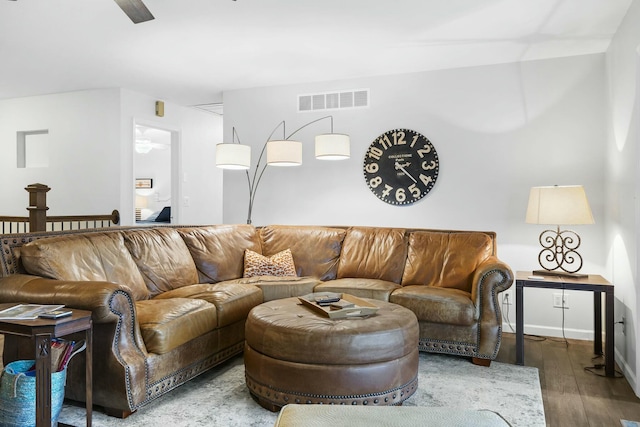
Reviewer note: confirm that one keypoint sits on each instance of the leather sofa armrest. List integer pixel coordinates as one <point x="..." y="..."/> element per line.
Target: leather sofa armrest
<point x="490" y="278"/>
<point x="117" y="341"/>
<point x="96" y="297"/>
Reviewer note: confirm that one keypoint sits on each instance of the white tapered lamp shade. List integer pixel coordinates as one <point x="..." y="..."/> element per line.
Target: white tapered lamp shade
<point x="559" y="205"/>
<point x="333" y="146"/>
<point x="284" y="153"/>
<point x="233" y="156"/>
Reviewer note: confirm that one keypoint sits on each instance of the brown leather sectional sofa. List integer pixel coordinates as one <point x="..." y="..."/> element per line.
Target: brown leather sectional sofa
<point x="170" y="302"/>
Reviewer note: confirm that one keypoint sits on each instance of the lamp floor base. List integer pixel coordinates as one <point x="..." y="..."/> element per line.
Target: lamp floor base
<point x="559" y="273"/>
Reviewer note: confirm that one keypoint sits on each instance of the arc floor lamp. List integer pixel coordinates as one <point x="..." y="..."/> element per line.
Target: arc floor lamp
<point x="279" y="152"/>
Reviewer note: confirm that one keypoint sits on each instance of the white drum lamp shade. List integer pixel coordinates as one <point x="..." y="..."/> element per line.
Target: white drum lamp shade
<point x="233" y="156"/>
<point x="333" y="146"/>
<point x="284" y="153"/>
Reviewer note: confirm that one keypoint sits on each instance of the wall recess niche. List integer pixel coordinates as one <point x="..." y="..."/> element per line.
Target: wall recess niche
<point x="33" y="149"/>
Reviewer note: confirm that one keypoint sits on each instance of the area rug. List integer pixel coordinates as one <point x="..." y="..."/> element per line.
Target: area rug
<point x="220" y="398"/>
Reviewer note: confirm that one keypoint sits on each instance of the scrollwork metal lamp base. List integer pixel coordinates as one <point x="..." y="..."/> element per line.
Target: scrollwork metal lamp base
<point x="559" y="256"/>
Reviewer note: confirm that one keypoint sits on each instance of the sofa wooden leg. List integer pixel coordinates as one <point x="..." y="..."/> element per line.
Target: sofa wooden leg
<point x="117" y="413"/>
<point x="481" y="362"/>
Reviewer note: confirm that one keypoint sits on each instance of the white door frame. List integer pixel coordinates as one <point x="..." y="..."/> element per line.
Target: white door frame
<point x="176" y="165"/>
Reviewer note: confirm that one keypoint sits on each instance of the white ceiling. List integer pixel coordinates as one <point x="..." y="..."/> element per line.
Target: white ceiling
<point x="196" y="49"/>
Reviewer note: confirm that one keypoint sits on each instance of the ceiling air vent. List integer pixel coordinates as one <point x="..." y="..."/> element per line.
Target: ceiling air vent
<point x="333" y="100"/>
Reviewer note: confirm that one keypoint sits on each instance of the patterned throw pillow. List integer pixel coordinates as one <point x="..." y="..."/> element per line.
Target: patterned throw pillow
<point x="280" y="264"/>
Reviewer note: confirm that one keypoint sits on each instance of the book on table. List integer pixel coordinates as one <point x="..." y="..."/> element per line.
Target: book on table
<point x="27" y="311"/>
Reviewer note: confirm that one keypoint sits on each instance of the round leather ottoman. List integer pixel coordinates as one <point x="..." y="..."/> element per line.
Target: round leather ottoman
<point x="295" y="355"/>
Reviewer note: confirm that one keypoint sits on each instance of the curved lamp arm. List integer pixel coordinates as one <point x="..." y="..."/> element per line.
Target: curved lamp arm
<point x="254" y="181"/>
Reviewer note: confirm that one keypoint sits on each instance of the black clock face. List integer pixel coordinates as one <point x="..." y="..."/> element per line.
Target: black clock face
<point x="401" y="166"/>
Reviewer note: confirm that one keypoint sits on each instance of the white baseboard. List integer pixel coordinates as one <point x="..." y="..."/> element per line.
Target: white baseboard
<point x="627" y="372"/>
<point x="547" y="331"/>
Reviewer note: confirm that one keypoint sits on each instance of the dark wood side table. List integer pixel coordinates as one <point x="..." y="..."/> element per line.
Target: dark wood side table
<point x="593" y="283"/>
<point x="41" y="331"/>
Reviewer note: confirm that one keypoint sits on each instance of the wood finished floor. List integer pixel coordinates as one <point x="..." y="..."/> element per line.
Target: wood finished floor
<point x="571" y="395"/>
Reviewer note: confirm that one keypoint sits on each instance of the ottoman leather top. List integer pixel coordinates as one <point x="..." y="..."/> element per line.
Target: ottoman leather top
<point x="287" y="330"/>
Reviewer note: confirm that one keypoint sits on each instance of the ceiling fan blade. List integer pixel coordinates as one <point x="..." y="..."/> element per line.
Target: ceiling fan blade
<point x="135" y="10"/>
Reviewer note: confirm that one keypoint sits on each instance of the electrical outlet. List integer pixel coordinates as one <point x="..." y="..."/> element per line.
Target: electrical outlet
<point x="506" y="299"/>
<point x="560" y="300"/>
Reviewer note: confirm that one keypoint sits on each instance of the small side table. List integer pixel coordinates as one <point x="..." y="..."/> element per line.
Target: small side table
<point x="594" y="283"/>
<point x="41" y="331"/>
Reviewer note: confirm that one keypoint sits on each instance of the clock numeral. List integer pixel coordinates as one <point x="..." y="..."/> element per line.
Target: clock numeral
<point x="426" y="180"/>
<point x="425" y="150"/>
<point x="387" y="190"/>
<point x="414" y="140"/>
<point x="398" y="138"/>
<point x="375" y="152"/>
<point x="384" y="141"/>
<point x="429" y="166"/>
<point x="400" y="196"/>
<point x="375" y="181"/>
<point x="415" y="191"/>
<point x="371" y="168"/>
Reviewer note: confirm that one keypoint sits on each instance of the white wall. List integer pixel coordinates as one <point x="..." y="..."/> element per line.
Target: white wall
<point x="84" y="166"/>
<point x="91" y="158"/>
<point x="498" y="130"/>
<point x="623" y="75"/>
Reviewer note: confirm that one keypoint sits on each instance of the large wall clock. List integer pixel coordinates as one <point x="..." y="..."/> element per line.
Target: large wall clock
<point x="401" y="166"/>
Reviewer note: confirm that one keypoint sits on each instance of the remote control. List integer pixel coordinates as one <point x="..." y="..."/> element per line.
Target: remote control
<point x="322" y="301"/>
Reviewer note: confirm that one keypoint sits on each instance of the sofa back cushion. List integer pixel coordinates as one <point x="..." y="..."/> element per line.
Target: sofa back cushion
<point x="218" y="250"/>
<point x="446" y="259"/>
<point x="373" y="253"/>
<point x="90" y="256"/>
<point x="315" y="249"/>
<point x="162" y="257"/>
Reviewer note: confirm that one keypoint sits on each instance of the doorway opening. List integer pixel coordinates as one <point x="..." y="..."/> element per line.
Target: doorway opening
<point x="154" y="174"/>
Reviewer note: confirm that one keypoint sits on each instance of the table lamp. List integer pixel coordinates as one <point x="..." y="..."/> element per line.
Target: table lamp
<point x="559" y="205"/>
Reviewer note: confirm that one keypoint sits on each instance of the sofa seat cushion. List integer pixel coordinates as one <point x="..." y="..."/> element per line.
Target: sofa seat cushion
<point x="168" y="323"/>
<point x="363" y="288"/>
<point x="437" y="305"/>
<point x="276" y="287"/>
<point x="233" y="301"/>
